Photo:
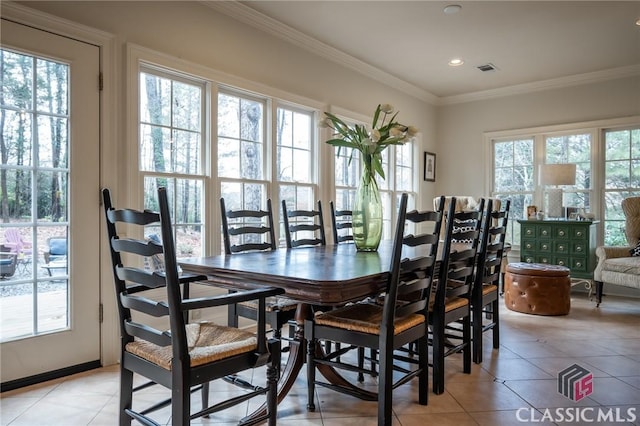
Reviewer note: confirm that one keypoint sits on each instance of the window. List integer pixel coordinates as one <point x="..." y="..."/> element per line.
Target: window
<point x="34" y="190"/>
<point x="347" y="177"/>
<point x="295" y="151"/>
<point x="241" y="151"/>
<point x="513" y="178"/>
<point x="622" y="179"/>
<point x="171" y="149"/>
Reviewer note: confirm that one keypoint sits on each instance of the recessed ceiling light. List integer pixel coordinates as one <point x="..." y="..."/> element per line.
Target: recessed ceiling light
<point x="638" y="22"/>
<point x="452" y="8"/>
<point x="456" y="62"/>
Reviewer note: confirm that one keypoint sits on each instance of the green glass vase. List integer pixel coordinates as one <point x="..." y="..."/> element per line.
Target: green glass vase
<point x="367" y="215"/>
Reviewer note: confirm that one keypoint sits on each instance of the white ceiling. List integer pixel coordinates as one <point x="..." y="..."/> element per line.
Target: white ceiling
<point x="407" y="44"/>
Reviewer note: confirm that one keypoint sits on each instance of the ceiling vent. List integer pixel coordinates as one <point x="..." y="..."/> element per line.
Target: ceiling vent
<point x="487" y="67"/>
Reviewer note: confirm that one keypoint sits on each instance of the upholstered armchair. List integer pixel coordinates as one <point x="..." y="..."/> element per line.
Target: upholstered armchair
<point x="616" y="265"/>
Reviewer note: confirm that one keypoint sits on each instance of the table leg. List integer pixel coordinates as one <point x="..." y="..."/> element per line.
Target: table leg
<point x="295" y="360"/>
<point x="297" y="355"/>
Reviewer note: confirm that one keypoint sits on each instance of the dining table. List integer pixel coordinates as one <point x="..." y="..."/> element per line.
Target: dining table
<point x="315" y="277"/>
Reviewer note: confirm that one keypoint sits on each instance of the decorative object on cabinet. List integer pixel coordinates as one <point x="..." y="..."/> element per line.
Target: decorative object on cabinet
<point x="556" y="174"/>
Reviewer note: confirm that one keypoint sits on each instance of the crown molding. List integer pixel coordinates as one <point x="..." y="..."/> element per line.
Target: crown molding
<point x="276" y="28"/>
<point x="32" y="17"/>
<point x="555" y="83"/>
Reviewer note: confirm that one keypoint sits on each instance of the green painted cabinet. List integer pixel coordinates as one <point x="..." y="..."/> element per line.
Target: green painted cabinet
<point x="569" y="243"/>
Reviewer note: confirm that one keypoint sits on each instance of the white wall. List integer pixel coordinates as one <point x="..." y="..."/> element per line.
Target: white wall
<point x="460" y="127"/>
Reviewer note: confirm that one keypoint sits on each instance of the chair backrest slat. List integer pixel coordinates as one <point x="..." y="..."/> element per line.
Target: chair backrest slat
<point x="147" y="333"/>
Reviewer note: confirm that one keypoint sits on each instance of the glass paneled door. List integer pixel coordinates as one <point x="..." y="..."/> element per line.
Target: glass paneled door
<point x="50" y="215"/>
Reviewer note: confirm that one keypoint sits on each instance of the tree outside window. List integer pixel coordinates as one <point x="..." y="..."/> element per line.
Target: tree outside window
<point x="171" y="143"/>
<point x="622" y="179"/>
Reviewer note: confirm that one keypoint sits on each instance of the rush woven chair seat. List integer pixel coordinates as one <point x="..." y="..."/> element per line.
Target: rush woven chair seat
<point x="187" y="356"/>
<point x="246" y="230"/>
<point x="400" y="320"/>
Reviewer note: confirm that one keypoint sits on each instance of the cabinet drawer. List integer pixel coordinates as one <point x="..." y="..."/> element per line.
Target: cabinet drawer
<point x="561" y="232"/>
<point x="528" y="245"/>
<point x="579" y="247"/>
<point x="544" y="246"/>
<point x="579" y="264"/>
<point x="542" y="258"/>
<point x="579" y="233"/>
<point x="561" y="246"/>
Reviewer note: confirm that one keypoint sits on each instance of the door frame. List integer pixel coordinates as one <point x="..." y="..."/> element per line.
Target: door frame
<point x="111" y="146"/>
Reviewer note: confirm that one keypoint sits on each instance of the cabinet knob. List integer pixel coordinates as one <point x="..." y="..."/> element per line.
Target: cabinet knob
<point x="528" y="231"/>
<point x="579" y="248"/>
<point x="528" y="245"/>
<point x="578" y="264"/>
<point x="545" y="260"/>
<point x="561" y="263"/>
<point x="544" y="247"/>
<point x="579" y="233"/>
<point x="561" y="233"/>
<point x="544" y="232"/>
<point x="560" y="248"/>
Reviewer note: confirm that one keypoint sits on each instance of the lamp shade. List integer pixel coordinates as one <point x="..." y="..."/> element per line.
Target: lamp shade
<point x="558" y="174"/>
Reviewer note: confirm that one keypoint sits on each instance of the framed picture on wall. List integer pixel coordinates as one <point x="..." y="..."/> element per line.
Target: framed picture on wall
<point x="429" y="166"/>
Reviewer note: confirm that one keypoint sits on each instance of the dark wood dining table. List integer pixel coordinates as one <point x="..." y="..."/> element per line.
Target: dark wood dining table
<point x="331" y="275"/>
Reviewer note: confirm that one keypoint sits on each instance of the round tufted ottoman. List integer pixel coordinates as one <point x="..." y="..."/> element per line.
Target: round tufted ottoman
<point x="536" y="288"/>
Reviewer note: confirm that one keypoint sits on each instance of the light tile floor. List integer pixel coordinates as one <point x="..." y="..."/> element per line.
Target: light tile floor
<point x="515" y="384"/>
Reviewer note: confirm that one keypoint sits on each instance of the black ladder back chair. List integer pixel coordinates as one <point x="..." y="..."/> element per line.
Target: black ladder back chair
<point x="399" y="320"/>
<point x="484" y="304"/>
<point x="187" y="356"/>
<point x="247" y="230"/>
<point x="309" y="223"/>
<point x="451" y="311"/>
<point x="342" y="225"/>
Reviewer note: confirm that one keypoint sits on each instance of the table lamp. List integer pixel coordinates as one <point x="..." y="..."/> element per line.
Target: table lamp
<point x="556" y="174"/>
